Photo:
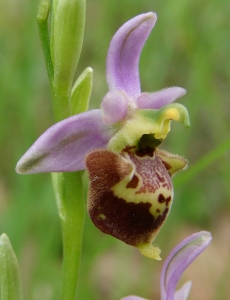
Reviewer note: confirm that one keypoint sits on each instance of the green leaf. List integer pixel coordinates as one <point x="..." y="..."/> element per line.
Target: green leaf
<point x="10" y="284"/>
<point x="59" y="193"/>
<point x="42" y="21"/>
<point x="81" y="92"/>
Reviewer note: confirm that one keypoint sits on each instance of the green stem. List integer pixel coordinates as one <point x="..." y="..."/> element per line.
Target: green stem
<point x="61" y="95"/>
<point x="68" y="187"/>
<point x="72" y="233"/>
<point x="52" y="16"/>
<point x="202" y="163"/>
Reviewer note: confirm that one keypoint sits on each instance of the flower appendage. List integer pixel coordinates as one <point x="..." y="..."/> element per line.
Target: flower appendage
<point x="131" y="190"/>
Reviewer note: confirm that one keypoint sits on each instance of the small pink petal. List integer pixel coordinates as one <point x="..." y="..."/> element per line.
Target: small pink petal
<point x="160" y="98"/>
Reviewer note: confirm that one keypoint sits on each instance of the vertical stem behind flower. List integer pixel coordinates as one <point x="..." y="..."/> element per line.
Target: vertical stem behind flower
<point x="72" y="232"/>
<point x="52" y="16"/>
<point x="62" y="47"/>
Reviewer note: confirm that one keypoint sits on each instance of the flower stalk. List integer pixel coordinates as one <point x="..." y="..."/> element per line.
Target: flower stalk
<point x="72" y="232"/>
<point x="69" y="196"/>
<point x="62" y="43"/>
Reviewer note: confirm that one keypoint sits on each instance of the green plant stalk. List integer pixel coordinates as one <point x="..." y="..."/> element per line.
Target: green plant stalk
<point x="72" y="233"/>
<point x="62" y="47"/>
<point x="60" y="97"/>
<point x="52" y="16"/>
<point x="202" y="164"/>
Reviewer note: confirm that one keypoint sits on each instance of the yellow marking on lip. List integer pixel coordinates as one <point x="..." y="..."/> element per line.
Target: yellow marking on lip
<point x="101" y="216"/>
<point x="129" y="195"/>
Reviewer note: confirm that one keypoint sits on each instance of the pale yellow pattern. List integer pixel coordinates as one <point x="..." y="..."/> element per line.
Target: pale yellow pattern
<point x="129" y="195"/>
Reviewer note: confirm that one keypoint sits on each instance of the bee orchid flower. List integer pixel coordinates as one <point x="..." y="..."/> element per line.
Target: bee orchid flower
<point x="175" y="265"/>
<point x="131" y="190"/>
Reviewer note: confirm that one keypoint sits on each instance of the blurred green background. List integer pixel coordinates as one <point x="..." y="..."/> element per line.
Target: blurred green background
<point x="189" y="47"/>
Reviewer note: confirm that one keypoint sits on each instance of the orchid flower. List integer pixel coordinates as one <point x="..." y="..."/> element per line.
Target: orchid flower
<point x="175" y="265"/>
<point x="131" y="191"/>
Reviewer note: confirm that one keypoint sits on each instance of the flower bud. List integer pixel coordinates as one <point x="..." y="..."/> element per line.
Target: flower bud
<point x="68" y="31"/>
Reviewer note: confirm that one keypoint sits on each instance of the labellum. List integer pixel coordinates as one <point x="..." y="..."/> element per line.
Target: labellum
<point x="131" y="192"/>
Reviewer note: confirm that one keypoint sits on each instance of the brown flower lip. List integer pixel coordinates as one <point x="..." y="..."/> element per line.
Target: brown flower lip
<point x="130" y="194"/>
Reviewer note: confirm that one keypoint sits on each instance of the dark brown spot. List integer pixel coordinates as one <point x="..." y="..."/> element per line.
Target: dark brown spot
<point x="133" y="183"/>
<point x="161" y="198"/>
<point x="147" y="151"/>
<point x="128" y="149"/>
<point x="158" y="211"/>
<point x="167" y="200"/>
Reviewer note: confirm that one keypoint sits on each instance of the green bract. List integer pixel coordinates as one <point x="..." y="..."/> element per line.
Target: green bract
<point x="10" y="286"/>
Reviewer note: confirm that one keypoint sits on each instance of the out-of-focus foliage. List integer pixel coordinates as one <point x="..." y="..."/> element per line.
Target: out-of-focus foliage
<point x="189" y="47"/>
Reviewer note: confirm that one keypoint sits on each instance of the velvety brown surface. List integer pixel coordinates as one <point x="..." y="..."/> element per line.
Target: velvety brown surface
<point x="133" y="223"/>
